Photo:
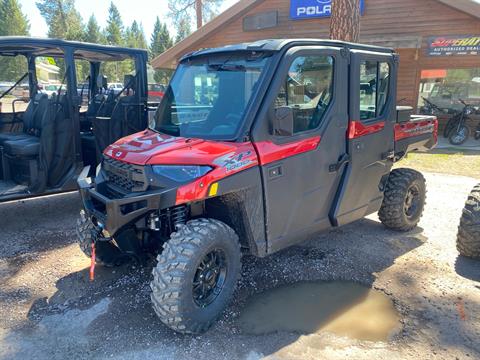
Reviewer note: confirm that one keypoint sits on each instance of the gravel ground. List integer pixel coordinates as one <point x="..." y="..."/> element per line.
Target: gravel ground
<point x="50" y="310"/>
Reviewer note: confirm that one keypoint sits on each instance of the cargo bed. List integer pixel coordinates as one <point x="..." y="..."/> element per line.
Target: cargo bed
<point x="419" y="133"/>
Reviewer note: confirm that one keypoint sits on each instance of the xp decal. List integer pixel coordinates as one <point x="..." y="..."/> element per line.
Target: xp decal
<point x="235" y="161"/>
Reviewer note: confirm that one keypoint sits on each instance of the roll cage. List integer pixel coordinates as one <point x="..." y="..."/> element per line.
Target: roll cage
<point x="45" y="146"/>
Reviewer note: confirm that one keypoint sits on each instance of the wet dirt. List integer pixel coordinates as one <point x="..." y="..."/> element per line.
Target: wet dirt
<point x="344" y="308"/>
<point x="49" y="309"/>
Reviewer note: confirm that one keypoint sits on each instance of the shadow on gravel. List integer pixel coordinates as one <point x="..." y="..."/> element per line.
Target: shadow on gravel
<point x="127" y="327"/>
<point x="468" y="268"/>
<point x="35" y="226"/>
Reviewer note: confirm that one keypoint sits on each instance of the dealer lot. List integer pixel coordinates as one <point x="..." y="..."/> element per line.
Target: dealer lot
<point x="49" y="308"/>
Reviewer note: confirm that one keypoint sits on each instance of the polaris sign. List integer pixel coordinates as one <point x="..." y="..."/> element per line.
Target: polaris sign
<point x="306" y="9"/>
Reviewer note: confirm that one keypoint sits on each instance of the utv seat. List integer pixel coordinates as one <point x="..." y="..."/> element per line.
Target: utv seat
<point x="20" y="155"/>
<point x="31" y="119"/>
<point x="124" y="118"/>
<point x="28" y="147"/>
<point x="95" y="104"/>
<point x="12" y="136"/>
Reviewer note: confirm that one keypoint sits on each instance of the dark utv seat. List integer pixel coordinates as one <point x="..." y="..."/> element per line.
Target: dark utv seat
<point x="22" y="156"/>
<point x="124" y="118"/>
<point x="32" y="119"/>
<point x="23" y="147"/>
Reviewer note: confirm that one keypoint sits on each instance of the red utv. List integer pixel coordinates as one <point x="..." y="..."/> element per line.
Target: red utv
<point x="155" y="92"/>
<point x="253" y="148"/>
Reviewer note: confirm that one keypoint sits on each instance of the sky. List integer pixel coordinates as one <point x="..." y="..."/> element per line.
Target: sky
<point x="144" y="11"/>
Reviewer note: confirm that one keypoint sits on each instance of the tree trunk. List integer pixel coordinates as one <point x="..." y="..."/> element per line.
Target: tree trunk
<point x="345" y="20"/>
<point x="198" y="10"/>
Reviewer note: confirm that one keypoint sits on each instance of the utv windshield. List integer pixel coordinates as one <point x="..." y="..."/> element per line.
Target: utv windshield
<point x="208" y="97"/>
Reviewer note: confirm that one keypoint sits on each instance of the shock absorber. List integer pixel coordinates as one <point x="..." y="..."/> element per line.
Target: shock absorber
<point x="178" y="215"/>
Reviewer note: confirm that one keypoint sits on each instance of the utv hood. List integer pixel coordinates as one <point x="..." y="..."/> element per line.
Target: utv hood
<point x="150" y="147"/>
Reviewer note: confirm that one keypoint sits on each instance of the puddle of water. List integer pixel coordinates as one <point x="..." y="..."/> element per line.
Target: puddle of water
<point x="340" y="307"/>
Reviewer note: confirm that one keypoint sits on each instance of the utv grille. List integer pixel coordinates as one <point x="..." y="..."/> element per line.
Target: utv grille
<point x="127" y="177"/>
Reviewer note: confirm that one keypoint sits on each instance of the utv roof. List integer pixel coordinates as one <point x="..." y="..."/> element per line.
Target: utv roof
<point x="273" y="45"/>
<point x="19" y="45"/>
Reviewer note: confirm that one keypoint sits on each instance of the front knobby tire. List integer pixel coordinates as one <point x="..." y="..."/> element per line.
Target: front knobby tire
<point x="404" y="200"/>
<point x="106" y="253"/>
<point x="196" y="275"/>
<point x="468" y="236"/>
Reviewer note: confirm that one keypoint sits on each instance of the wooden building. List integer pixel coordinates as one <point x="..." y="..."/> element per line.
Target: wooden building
<point x="438" y="40"/>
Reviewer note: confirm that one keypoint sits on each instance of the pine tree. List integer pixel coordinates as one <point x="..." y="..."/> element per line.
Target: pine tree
<point x="93" y="33"/>
<point x="12" y="22"/>
<point x="141" y="38"/>
<point x="200" y="10"/>
<point x="114" y="31"/>
<point x="183" y="30"/>
<point x="63" y="20"/>
<point x="115" y="34"/>
<point x="156" y="46"/>
<point x="345" y="20"/>
<point x="160" y="39"/>
<point x="135" y="36"/>
<point x="159" y="42"/>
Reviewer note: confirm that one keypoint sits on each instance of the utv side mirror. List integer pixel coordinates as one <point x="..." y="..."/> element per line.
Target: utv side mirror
<point x="283" y="121"/>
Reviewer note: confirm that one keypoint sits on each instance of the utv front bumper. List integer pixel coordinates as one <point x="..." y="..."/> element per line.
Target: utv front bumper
<point x="112" y="214"/>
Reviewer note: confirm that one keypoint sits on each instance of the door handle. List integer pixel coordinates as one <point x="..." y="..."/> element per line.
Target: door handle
<point x="389" y="155"/>
<point x="344" y="159"/>
<point x="275" y="172"/>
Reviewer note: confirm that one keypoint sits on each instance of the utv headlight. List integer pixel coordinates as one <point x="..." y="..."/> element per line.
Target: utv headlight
<point x="181" y="173"/>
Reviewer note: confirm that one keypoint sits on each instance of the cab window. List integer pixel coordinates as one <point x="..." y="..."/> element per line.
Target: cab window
<point x="14" y="87"/>
<point x="374" y="85"/>
<point x="307" y="90"/>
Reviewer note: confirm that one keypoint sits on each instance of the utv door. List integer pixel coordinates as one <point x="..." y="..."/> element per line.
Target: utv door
<point x="298" y="172"/>
<point x="370" y="136"/>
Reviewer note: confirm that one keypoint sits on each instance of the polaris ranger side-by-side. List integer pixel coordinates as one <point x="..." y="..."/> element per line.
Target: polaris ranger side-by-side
<point x="254" y="147"/>
<point x="65" y="114"/>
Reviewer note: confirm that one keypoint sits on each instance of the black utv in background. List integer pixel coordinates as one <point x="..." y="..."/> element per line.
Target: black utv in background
<point x="59" y="115"/>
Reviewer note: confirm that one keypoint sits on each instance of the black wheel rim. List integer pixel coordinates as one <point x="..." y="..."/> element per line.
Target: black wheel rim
<point x="412" y="202"/>
<point x="209" y="278"/>
<point x="460" y="135"/>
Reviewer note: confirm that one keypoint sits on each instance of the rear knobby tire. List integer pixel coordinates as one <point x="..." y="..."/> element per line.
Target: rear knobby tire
<point x="404" y="200"/>
<point x="173" y="296"/>
<point x="468" y="236"/>
<point x="106" y="253"/>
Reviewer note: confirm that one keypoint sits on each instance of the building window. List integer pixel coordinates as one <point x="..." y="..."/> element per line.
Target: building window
<point x="307" y="90"/>
<point x="374" y="86"/>
<point x="444" y="88"/>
